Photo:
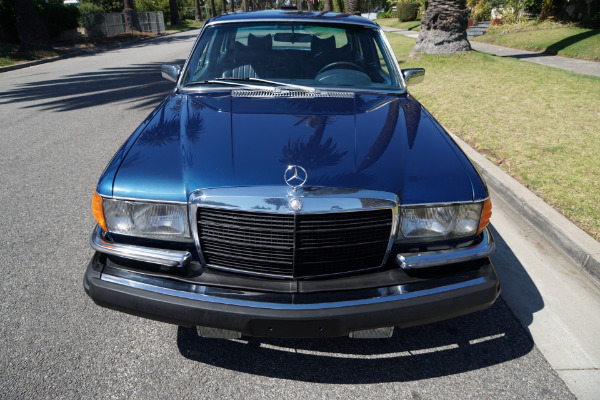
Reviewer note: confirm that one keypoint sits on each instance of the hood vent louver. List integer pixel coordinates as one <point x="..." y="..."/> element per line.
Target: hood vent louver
<point x="291" y="94"/>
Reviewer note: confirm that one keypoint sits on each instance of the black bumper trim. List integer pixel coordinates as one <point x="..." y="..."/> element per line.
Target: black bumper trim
<point x="419" y="308"/>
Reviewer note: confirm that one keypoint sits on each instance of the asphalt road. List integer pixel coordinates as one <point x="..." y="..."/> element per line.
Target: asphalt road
<point x="60" y="123"/>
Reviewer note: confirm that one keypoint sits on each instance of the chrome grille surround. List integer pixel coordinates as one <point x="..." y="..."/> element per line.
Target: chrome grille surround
<point x="265" y="203"/>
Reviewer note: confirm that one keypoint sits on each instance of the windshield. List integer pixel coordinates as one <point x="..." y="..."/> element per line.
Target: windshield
<point x="313" y="55"/>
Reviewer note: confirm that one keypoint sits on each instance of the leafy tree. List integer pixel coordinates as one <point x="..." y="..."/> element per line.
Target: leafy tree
<point x="443" y="28"/>
<point x="32" y="30"/>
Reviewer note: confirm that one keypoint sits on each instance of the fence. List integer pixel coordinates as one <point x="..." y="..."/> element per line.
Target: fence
<point x="108" y="24"/>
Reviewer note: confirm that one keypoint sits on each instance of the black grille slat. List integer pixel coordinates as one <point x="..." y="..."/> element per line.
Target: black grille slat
<point x="294" y="245"/>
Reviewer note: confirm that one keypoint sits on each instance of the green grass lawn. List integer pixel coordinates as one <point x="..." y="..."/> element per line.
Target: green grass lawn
<point x="564" y="40"/>
<point x="10" y="57"/>
<point x="394" y="23"/>
<point x="541" y="122"/>
<point x="184" y="25"/>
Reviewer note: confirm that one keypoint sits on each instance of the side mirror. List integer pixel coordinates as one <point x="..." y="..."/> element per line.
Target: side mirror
<point x="170" y="71"/>
<point x="413" y="75"/>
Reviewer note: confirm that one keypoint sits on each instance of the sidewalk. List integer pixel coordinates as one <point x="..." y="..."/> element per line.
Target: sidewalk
<point x="568" y="64"/>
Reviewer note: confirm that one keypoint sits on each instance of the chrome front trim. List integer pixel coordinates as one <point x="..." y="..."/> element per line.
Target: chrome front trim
<point x="203" y="293"/>
<point x="141" y="200"/>
<point x="275" y="199"/>
<point x="170" y="258"/>
<point x="485" y="248"/>
<point x="453" y="203"/>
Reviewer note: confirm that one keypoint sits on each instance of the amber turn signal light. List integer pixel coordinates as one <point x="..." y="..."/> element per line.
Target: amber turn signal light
<point x="485" y="215"/>
<point x="97" y="210"/>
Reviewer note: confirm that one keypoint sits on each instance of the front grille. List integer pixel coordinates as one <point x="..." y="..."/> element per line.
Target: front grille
<point x="294" y="245"/>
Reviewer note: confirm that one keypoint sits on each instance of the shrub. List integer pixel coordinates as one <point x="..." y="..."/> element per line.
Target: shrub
<point x="8" y="22"/>
<point x="386" y="14"/>
<point x="58" y="17"/>
<point x="85" y="8"/>
<point x="408" y="11"/>
<point x="188" y="13"/>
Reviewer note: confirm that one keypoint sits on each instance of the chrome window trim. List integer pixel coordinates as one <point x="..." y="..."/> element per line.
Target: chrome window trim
<point x="395" y="64"/>
<point x="198" y="89"/>
<point x="171" y="258"/>
<point x="290" y="20"/>
<point x="202" y="293"/>
<point x="310" y="196"/>
<point x="429" y="259"/>
<point x="400" y="78"/>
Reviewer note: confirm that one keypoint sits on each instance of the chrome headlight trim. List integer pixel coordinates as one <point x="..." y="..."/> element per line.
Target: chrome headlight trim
<point x="444" y="221"/>
<point x="153" y="220"/>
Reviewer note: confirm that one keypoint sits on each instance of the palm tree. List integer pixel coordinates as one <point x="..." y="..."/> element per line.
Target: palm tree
<point x="131" y="18"/>
<point x="443" y="28"/>
<point x="352" y="6"/>
<point x="32" y="29"/>
<point x="328" y="5"/>
<point x="213" y="10"/>
<point x="174" y="12"/>
<point x="197" y="14"/>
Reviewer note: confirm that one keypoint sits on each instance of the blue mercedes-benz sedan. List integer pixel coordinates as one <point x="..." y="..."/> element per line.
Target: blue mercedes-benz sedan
<point x="290" y="186"/>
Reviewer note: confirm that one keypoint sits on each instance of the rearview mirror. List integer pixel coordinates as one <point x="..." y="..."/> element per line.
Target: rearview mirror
<point x="170" y="71"/>
<point x="413" y="75"/>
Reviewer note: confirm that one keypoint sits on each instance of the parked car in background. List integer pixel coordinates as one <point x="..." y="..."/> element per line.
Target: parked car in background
<point x="290" y="186"/>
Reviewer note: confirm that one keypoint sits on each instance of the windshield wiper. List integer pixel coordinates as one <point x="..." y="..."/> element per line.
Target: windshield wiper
<point x="276" y="83"/>
<point x="216" y="81"/>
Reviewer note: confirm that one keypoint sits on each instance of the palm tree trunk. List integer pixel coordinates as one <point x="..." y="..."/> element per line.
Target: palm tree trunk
<point x="197" y="15"/>
<point x="213" y="10"/>
<point x="132" y="21"/>
<point x="328" y="5"/>
<point x="174" y="12"/>
<point x="352" y="7"/>
<point x="231" y="6"/>
<point x="31" y="28"/>
<point x="223" y="6"/>
<point x="443" y="28"/>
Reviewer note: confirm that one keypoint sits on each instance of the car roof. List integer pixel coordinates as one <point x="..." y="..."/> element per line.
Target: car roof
<point x="291" y="15"/>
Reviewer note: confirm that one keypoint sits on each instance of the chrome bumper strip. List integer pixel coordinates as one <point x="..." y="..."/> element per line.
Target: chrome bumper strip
<point x="171" y="258"/>
<point x="201" y="293"/>
<point x="443" y="257"/>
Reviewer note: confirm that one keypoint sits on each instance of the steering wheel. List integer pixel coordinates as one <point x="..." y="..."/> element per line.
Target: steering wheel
<point x="342" y="64"/>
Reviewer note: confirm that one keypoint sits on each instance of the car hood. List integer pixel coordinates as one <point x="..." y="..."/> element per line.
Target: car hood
<point x="368" y="141"/>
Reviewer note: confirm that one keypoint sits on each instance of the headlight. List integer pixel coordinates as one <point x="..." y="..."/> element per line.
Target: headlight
<point x="152" y="220"/>
<point x="440" y="222"/>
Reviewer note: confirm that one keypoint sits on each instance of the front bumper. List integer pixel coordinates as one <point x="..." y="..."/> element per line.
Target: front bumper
<point x="301" y="314"/>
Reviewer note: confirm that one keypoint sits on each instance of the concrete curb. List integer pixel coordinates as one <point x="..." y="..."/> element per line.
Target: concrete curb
<point x="564" y="235"/>
<point x="93" y="50"/>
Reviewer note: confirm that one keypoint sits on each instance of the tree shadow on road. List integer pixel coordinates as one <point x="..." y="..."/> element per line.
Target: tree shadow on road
<point x="141" y="85"/>
<point x="467" y="343"/>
